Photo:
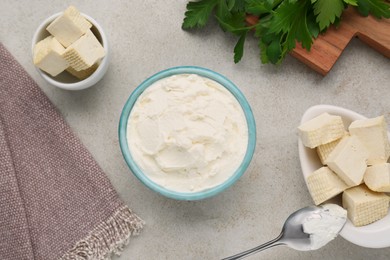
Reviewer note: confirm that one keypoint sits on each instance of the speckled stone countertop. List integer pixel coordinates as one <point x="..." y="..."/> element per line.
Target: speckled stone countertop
<point x="146" y="37"/>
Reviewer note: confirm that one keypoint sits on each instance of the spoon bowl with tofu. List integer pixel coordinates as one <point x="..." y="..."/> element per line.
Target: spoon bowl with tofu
<point x="349" y="167"/>
<point x="70" y="50"/>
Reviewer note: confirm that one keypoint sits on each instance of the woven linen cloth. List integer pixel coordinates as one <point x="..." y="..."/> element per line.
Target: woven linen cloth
<point x="55" y="201"/>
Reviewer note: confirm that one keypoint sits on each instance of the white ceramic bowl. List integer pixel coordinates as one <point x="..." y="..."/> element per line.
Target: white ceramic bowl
<point x="375" y="235"/>
<point x="65" y="80"/>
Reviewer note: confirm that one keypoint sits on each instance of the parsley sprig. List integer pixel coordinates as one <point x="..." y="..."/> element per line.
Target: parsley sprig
<point x="281" y="24"/>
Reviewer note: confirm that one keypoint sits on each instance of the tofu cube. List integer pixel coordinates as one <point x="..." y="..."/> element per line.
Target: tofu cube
<point x="373" y="133"/>
<point x="322" y="129"/>
<point x="377" y="177"/>
<point x="69" y="26"/>
<point x="324" y="150"/>
<point x="83" y="74"/>
<point x="324" y="184"/>
<point x="48" y="56"/>
<point x="84" y="52"/>
<point x="348" y="160"/>
<point x="365" y="206"/>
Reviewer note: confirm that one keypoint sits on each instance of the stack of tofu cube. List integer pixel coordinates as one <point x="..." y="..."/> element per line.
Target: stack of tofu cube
<point x="71" y="46"/>
<point x="354" y="164"/>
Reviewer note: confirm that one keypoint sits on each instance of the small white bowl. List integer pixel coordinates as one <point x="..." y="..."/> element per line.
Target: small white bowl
<point x="64" y="80"/>
<point x="375" y="235"/>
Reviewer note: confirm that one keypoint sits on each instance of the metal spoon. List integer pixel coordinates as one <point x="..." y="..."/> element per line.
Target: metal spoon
<point x="292" y="234"/>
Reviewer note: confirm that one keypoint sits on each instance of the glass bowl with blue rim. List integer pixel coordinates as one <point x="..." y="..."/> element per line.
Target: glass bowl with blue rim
<point x="203" y="72"/>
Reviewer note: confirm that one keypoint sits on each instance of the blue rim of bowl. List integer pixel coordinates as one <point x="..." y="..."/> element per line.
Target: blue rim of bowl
<point x="204" y="73"/>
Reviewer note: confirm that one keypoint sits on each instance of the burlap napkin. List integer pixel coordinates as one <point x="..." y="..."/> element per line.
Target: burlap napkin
<point x="55" y="201"/>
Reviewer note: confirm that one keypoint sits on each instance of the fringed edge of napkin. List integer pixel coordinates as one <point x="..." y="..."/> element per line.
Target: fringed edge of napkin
<point x="109" y="237"/>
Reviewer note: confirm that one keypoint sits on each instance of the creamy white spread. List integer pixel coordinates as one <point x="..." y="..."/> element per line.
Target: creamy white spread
<point x="325" y="225"/>
<point x="187" y="133"/>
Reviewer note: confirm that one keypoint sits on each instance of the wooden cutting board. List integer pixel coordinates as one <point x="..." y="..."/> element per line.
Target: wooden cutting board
<point x="327" y="48"/>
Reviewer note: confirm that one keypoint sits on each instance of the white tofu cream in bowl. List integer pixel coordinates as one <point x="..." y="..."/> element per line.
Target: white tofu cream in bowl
<point x="187" y="133"/>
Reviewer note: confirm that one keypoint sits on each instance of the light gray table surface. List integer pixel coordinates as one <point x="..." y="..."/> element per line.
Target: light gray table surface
<point x="146" y="37"/>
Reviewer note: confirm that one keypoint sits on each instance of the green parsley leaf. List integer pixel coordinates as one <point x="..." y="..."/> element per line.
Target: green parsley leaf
<point x="223" y="11"/>
<point x="300" y="32"/>
<point x="239" y="6"/>
<point x="284" y="16"/>
<point x="230" y="4"/>
<point x="258" y="7"/>
<point x="234" y="24"/>
<point x="198" y="13"/>
<point x="326" y="11"/>
<point x="274" y="51"/>
<point x="262" y="27"/>
<point x="363" y="8"/>
<point x="351" y="2"/>
<point x="290" y="19"/>
<point x="287" y="25"/>
<point x="312" y="25"/>
<point x="239" y="48"/>
<point x="377" y="8"/>
<point x="337" y="22"/>
<point x="263" y="54"/>
<point x="269" y="51"/>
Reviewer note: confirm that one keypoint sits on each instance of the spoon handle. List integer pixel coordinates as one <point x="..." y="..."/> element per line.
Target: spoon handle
<point x="269" y="244"/>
